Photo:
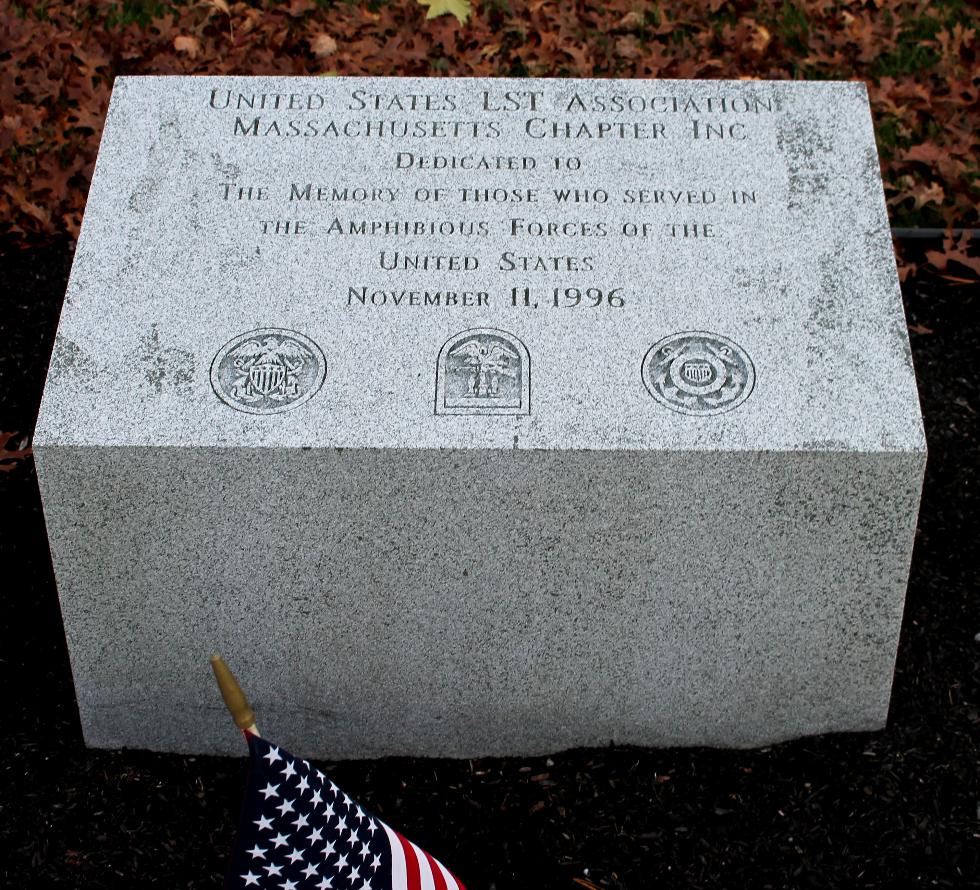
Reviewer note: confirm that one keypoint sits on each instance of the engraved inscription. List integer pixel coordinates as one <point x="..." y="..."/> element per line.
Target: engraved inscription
<point x="526" y="209"/>
<point x="696" y="372"/>
<point x="483" y="371"/>
<point x="267" y="371"/>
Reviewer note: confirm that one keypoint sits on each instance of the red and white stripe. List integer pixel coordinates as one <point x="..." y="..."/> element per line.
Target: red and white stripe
<point x="414" y="869"/>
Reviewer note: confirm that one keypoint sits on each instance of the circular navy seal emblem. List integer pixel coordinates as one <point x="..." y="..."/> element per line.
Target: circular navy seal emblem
<point x="696" y="372"/>
<point x="268" y="371"/>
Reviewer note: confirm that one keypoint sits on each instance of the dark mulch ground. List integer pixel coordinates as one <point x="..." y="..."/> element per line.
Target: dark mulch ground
<point x="895" y="809"/>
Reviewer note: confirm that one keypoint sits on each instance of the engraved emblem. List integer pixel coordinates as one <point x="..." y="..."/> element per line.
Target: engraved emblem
<point x="268" y="371"/>
<point x="483" y="371"/>
<point x="698" y="373"/>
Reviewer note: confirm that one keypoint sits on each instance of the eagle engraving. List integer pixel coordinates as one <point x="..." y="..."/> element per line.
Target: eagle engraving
<point x="268" y="368"/>
<point x="485" y="362"/>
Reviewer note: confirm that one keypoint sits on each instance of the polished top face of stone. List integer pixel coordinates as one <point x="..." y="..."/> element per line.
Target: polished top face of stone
<point x="476" y="263"/>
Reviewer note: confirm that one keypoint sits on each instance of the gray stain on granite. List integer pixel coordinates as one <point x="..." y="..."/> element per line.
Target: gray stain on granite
<point x="70" y="365"/>
<point x="808" y="152"/>
<point x="162" y="367"/>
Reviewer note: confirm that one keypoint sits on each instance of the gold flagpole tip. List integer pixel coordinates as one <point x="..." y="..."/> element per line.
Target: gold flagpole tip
<point x="231" y="692"/>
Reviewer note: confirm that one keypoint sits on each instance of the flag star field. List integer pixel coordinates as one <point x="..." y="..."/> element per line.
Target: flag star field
<point x="301" y="832"/>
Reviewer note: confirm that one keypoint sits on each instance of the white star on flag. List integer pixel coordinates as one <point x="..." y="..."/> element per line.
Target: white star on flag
<point x="301" y="861"/>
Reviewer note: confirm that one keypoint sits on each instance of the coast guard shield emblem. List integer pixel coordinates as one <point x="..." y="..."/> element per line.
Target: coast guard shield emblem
<point x="699" y="373"/>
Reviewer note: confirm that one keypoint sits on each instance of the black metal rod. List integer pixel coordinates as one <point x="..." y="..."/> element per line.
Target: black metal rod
<point x="933" y="234"/>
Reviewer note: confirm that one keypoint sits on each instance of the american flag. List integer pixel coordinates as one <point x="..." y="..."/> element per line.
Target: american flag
<point x="301" y="832"/>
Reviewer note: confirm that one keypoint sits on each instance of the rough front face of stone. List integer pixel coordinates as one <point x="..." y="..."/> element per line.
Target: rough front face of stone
<point x="473" y="417"/>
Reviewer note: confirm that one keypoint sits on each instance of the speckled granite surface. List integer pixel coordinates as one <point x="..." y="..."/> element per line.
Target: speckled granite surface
<point x="446" y="461"/>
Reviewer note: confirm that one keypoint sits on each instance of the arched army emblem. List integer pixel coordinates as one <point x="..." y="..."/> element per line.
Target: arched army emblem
<point x="268" y="371"/>
<point x="483" y="371"/>
<point x="696" y="372"/>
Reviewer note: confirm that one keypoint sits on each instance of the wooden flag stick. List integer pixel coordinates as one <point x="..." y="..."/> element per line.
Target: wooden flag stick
<point x="235" y="700"/>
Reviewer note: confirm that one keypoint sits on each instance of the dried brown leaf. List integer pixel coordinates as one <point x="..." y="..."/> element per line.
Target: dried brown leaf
<point x="10" y="458"/>
<point x="185" y="43"/>
<point x="323" y="44"/>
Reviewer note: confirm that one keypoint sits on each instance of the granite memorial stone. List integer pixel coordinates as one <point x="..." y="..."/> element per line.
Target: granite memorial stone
<point x="478" y="417"/>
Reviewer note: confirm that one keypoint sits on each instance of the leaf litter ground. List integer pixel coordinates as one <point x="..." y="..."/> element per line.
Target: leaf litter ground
<point x="900" y="808"/>
<point x="919" y="58"/>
